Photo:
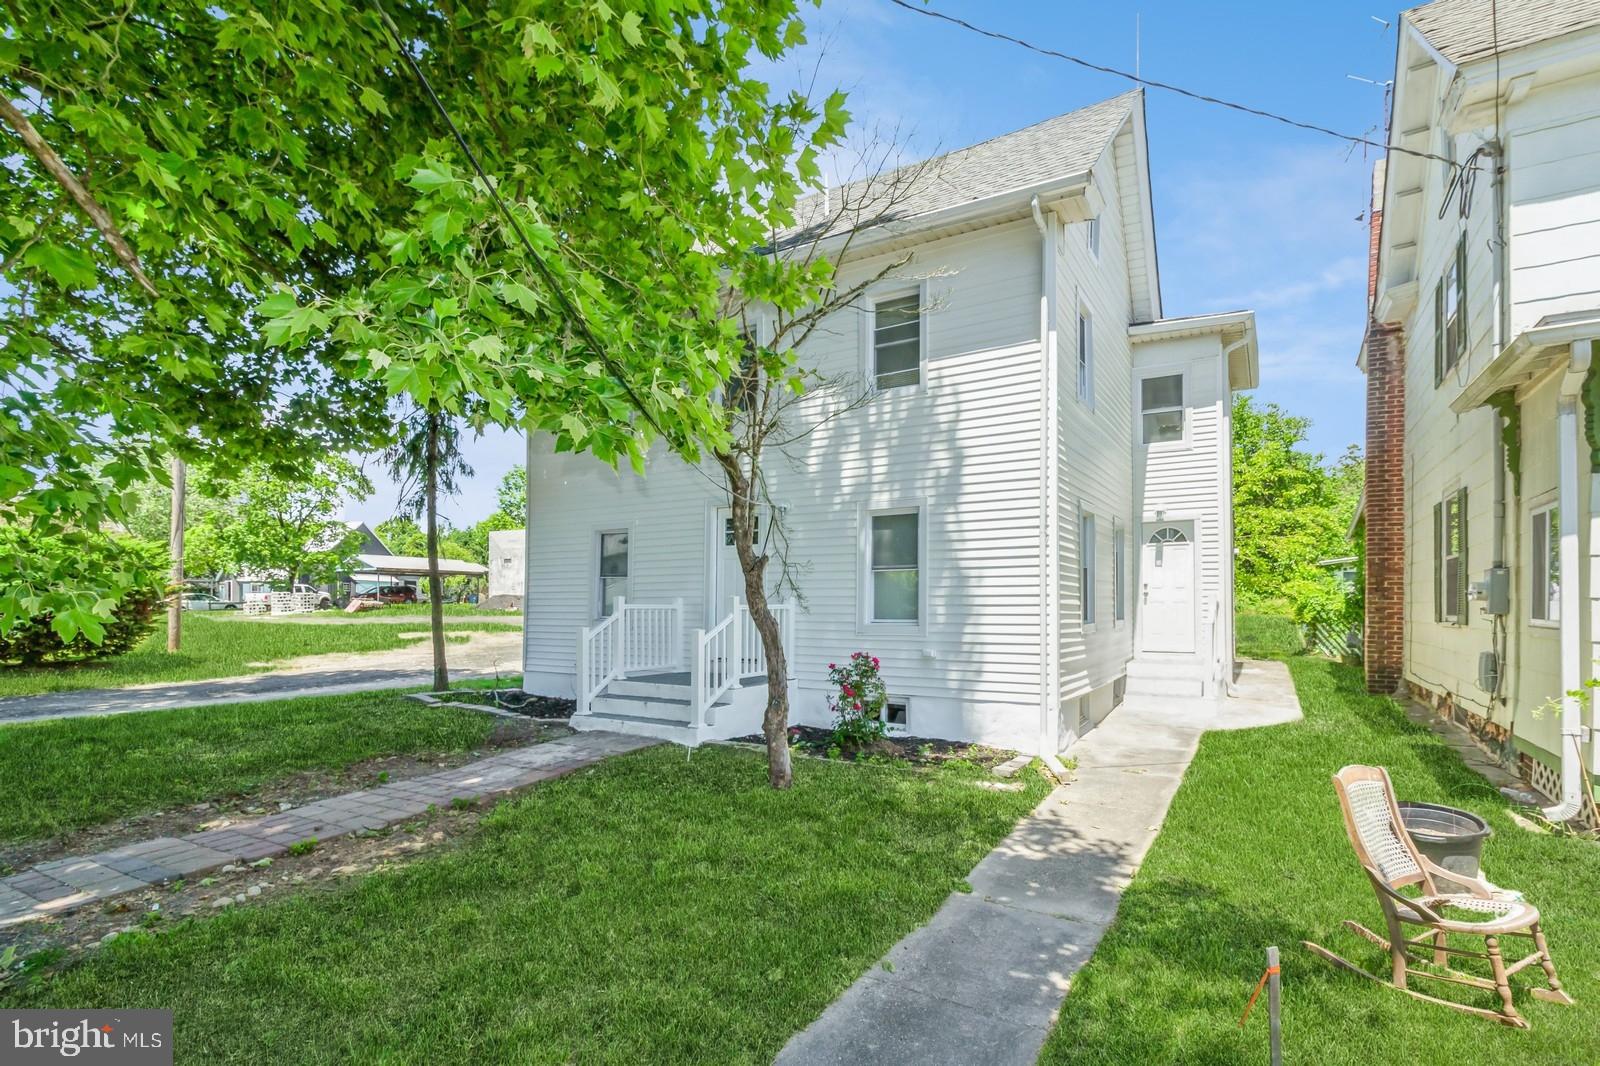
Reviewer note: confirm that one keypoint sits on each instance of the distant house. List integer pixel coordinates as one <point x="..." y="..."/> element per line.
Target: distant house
<point x="507" y="568"/>
<point x="1481" y="502"/>
<point x="1031" y="514"/>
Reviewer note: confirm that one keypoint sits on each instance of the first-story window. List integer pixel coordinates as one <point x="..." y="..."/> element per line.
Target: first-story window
<point x="1450" y="558"/>
<point x="1119" y="580"/>
<point x="1547" y="565"/>
<point x="613" y="570"/>
<point x="1086" y="564"/>
<point x="1161" y="403"/>
<point x="897" y="342"/>
<point x="895" y="567"/>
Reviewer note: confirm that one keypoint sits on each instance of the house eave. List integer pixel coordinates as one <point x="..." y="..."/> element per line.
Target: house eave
<point x="1233" y="327"/>
<point x="1072" y="198"/>
<point x="1530" y="355"/>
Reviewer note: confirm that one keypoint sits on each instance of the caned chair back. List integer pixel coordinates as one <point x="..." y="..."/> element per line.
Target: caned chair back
<point x="1372" y="819"/>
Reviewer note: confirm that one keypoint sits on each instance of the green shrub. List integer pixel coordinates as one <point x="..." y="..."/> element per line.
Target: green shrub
<point x="858" y="704"/>
<point x="67" y="560"/>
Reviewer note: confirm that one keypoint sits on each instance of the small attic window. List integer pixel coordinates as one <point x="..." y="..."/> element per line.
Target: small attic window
<point x="1092" y="235"/>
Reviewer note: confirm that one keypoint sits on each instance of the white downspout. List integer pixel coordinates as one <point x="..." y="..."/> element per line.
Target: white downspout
<point x="1225" y="512"/>
<point x="1049" y="646"/>
<point x="1571" y="799"/>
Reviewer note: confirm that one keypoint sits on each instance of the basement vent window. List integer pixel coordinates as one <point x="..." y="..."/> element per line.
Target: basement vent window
<point x="897" y="712"/>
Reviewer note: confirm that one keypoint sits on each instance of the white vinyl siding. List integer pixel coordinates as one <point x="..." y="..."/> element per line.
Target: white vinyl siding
<point x="897" y="342"/>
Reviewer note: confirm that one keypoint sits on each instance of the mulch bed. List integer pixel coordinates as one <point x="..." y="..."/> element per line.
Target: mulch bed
<point x="917" y="751"/>
<point x="516" y="701"/>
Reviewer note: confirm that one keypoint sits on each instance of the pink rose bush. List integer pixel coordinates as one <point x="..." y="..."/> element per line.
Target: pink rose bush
<point x="858" y="705"/>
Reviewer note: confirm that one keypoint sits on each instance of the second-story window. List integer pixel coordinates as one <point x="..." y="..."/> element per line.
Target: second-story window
<point x="1161" y="404"/>
<point x="897" y="342"/>
<point x="1450" y="313"/>
<point x="1092" y="237"/>
<point x="1085" y="358"/>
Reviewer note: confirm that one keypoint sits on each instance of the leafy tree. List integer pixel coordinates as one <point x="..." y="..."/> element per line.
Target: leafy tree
<point x="1290" y="510"/>
<point x="512" y="497"/>
<point x="112" y="629"/>
<point x="288" y="527"/>
<point x="402" y="535"/>
<point x="148" y="514"/>
<point x="170" y="163"/>
<point x="428" y="459"/>
<point x="570" y="276"/>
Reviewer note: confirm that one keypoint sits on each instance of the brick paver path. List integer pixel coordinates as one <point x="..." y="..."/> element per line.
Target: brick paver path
<point x="65" y="884"/>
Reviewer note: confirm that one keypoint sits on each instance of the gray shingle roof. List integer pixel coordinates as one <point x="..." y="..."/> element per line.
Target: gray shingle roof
<point x="1464" y="30"/>
<point x="1055" y="148"/>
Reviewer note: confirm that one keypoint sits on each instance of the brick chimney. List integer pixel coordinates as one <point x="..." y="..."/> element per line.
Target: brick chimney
<point x="1383" y="351"/>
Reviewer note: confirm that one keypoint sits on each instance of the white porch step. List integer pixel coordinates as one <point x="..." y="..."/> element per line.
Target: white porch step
<point x="673" y="686"/>
<point x="1167" y="677"/>
<point x="657" y="708"/>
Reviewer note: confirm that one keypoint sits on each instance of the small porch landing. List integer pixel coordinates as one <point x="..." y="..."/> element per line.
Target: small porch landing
<point x="638" y="675"/>
<point x="661" y="705"/>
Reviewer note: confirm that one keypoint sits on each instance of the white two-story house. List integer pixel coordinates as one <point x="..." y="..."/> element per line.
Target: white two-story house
<point x="1033" y="505"/>
<point x="1483" y="446"/>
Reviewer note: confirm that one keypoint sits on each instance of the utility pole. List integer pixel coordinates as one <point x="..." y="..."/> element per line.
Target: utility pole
<point x="180" y="478"/>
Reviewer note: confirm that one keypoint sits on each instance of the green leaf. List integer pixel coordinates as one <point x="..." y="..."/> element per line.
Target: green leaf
<point x="630" y="28"/>
<point x="69" y="267"/>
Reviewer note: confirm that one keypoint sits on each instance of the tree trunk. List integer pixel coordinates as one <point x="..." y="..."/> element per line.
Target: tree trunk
<point x="180" y="486"/>
<point x="441" y="671"/>
<point x="775" y="722"/>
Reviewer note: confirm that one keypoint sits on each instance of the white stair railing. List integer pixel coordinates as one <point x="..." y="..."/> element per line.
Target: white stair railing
<point x="635" y="637"/>
<point x="652" y="636"/>
<point x="598" y="660"/>
<point x="713" y="673"/>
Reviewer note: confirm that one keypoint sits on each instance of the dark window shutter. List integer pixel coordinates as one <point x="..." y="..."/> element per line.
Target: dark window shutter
<point x="1461" y="563"/>
<point x="1461" y="299"/>
<point x="1438" y="333"/>
<point x="1438" y="562"/>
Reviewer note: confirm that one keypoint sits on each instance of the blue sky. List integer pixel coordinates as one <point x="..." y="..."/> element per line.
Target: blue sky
<point x="1249" y="213"/>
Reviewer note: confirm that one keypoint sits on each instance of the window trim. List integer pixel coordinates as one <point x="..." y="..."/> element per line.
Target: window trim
<point x="869" y="323"/>
<point x="598" y="588"/>
<point x="1450" y="333"/>
<point x="1182" y="374"/>
<point x="1119" y="573"/>
<point x="1454" y="499"/>
<point x="865" y="622"/>
<point x="1088" y="570"/>
<point x="1538" y="573"/>
<point x="1083" y="362"/>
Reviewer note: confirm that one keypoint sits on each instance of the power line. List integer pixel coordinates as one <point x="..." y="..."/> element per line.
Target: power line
<point x="1152" y="84"/>
<point x="573" y="313"/>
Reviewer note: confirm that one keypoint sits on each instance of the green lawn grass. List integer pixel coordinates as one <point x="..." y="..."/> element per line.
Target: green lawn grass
<point x="71" y="773"/>
<point x="422" y="610"/>
<point x="1267" y="636"/>
<point x="1254" y="853"/>
<point x="216" y="647"/>
<point x="652" y="909"/>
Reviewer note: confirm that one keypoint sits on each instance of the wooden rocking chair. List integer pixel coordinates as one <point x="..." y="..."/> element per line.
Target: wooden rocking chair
<point x="1391" y="861"/>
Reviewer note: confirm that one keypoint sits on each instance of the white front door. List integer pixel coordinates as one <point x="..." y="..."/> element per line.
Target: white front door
<point x="1166" y="602"/>
<point x="727" y="580"/>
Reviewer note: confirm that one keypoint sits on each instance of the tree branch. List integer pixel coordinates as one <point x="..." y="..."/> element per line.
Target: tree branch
<point x="98" y="214"/>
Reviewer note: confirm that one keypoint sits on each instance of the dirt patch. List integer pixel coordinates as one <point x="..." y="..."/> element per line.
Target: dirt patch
<point x="281" y="794"/>
<point x="918" y="751"/>
<point x="50" y="944"/>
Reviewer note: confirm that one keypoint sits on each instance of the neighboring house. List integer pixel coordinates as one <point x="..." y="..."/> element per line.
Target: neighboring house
<point x="1034" y="506"/>
<point x="507" y="568"/>
<point x="1480" y="505"/>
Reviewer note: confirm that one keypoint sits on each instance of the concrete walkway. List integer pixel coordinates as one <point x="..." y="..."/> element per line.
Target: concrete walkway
<point x="983" y="980"/>
<point x="66" y="884"/>
<point x="483" y="655"/>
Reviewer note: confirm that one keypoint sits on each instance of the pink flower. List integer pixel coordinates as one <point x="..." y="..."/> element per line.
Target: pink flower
<point x="874" y="662"/>
<point x="831" y="666"/>
<point x="858" y="705"/>
<point x="848" y="691"/>
<point x="855" y="655"/>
